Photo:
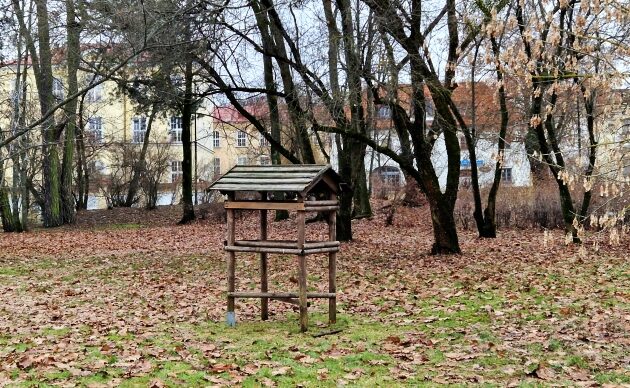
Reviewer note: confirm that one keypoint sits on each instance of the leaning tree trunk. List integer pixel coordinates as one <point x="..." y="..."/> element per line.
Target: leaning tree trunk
<point x="489" y="229"/>
<point x="187" y="178"/>
<point x="139" y="165"/>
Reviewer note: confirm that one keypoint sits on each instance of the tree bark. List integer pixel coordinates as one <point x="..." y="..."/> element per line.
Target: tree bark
<point x="52" y="211"/>
<point x="73" y="54"/>
<point x="42" y="68"/>
<point x="83" y="176"/>
<point x="355" y="149"/>
<point x="272" y="98"/>
<point x="188" y="209"/>
<point x="296" y="112"/>
<point x="140" y="164"/>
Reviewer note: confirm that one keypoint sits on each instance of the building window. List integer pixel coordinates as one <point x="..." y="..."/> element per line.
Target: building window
<point x="241" y="139"/>
<point x="176" y="171"/>
<point x="57" y="89"/>
<point x="16" y="96"/>
<point x="95" y="128"/>
<point x="96" y="93"/>
<point x="139" y="129"/>
<point x="383" y="112"/>
<point x="506" y="175"/>
<point x="242" y="160"/>
<point x="216" y="140"/>
<point x="216" y="167"/>
<point x="265" y="160"/>
<point x="465" y="178"/>
<point x="177" y="80"/>
<point x="176" y="129"/>
<point x="263" y="141"/>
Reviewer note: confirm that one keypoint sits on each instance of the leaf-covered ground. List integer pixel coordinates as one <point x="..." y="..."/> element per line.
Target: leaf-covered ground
<point x="143" y="305"/>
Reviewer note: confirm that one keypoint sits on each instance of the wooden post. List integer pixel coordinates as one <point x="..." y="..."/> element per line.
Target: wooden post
<point x="332" y="265"/>
<point x="301" y="224"/>
<point x="231" y="263"/>
<point x="264" y="302"/>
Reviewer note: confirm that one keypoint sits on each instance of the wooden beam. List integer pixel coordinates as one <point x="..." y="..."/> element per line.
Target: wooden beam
<point x="332" y="265"/>
<point x="264" y="302"/>
<point x="270" y="175"/>
<point x="321" y="208"/>
<point x="231" y="264"/>
<point x="301" y="224"/>
<point x="289" y="244"/>
<point x="285" y="251"/>
<point x="322" y="203"/>
<point x="253" y="186"/>
<point x="280" y="295"/>
<point x="262" y="205"/>
<point x="281" y="168"/>
<point x="256" y="179"/>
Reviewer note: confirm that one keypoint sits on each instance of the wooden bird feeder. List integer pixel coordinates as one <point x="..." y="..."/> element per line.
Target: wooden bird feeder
<point x="314" y="188"/>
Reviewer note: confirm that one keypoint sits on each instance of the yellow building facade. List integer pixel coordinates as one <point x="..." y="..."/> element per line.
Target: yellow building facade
<point x="110" y="119"/>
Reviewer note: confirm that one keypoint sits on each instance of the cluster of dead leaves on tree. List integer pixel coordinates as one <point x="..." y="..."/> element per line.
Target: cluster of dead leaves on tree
<point x="84" y="300"/>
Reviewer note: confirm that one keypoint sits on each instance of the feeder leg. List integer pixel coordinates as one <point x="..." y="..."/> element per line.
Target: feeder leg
<point x="231" y="315"/>
<point x="264" y="302"/>
<point x="231" y="264"/>
<point x="332" y="287"/>
<point x="302" y="294"/>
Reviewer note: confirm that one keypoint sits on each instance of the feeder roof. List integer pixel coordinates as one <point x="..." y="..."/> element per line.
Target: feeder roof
<point x="299" y="178"/>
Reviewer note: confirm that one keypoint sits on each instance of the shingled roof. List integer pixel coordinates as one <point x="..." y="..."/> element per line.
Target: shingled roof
<point x="299" y="178"/>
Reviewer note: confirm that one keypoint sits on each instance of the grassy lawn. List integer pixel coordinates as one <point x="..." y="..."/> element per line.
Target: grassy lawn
<point x="144" y="306"/>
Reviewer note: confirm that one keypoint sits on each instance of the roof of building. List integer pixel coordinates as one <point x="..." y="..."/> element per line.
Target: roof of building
<point x="300" y="179"/>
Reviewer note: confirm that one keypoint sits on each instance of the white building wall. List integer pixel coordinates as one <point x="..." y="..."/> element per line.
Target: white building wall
<point x="515" y="158"/>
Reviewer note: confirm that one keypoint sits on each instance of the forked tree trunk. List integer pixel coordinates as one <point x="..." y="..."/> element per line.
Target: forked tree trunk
<point x="444" y="228"/>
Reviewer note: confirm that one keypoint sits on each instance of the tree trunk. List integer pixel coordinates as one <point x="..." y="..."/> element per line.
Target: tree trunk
<point x="187" y="177"/>
<point x="489" y="229"/>
<point x="42" y="68"/>
<point x="272" y="99"/>
<point x="9" y="222"/>
<point x="344" y="216"/>
<point x="83" y="176"/>
<point x="296" y="112"/>
<point x="589" y="106"/>
<point x="73" y="53"/>
<point x="139" y="165"/>
<point x="444" y="228"/>
<point x="355" y="149"/>
<point x="361" y="196"/>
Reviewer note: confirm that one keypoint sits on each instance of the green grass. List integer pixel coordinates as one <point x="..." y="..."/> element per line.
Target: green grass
<point x="142" y="317"/>
<point x="12" y="271"/>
